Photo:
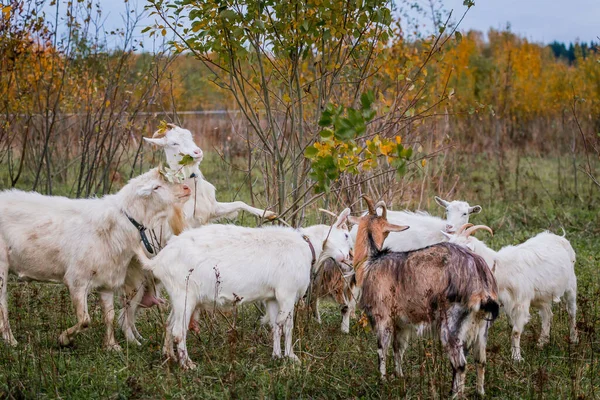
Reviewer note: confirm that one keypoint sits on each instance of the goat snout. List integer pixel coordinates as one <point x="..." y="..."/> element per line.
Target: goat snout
<point x="450" y="229"/>
<point x="341" y="257"/>
<point x="186" y="190"/>
<point x="198" y="154"/>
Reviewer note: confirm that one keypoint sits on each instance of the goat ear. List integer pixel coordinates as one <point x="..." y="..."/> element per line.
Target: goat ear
<point x="353" y="220"/>
<point x="146" y="190"/>
<point x="341" y="219"/>
<point x="475" y="210"/>
<point x="394" y="228"/>
<point x="441" y="202"/>
<point x="160" y="142"/>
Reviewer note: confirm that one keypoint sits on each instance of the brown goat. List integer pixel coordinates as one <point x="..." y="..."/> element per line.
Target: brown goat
<point x="444" y="287"/>
<point x="334" y="281"/>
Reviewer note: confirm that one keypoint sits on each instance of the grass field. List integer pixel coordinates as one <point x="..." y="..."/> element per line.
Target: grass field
<point x="234" y="353"/>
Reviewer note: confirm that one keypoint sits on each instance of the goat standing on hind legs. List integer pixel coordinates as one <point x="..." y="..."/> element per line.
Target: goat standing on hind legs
<point x="442" y="286"/>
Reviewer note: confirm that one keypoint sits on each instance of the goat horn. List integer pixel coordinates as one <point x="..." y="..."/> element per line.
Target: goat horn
<point x="369" y="204"/>
<point x="462" y="228"/>
<point x="381" y="204"/>
<point x="472" y="230"/>
<point x="328" y="212"/>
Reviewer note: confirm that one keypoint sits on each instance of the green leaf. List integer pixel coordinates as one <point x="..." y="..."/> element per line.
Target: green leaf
<point x="458" y="36"/>
<point x="326" y="134"/>
<point x="326" y="118"/>
<point x="369" y="114"/>
<point x="311" y="152"/>
<point x="186" y="160"/>
<point x="228" y="14"/>
<point x="367" y="99"/>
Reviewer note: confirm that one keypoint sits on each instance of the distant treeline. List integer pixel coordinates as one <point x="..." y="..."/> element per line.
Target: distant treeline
<point x="571" y="52"/>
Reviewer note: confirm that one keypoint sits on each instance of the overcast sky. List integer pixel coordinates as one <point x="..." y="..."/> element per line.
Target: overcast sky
<point x="538" y="20"/>
<point x="541" y="21"/>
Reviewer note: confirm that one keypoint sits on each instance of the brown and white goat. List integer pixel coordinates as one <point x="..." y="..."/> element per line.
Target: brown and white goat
<point x="444" y="287"/>
<point x="335" y="281"/>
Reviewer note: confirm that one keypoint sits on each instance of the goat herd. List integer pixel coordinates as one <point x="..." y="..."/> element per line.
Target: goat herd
<point x="433" y="278"/>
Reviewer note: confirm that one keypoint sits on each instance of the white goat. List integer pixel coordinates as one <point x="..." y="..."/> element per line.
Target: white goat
<point x="225" y="265"/>
<point x="534" y="273"/>
<point x="425" y="229"/>
<point x="85" y="243"/>
<point x="203" y="206"/>
<point x="200" y="209"/>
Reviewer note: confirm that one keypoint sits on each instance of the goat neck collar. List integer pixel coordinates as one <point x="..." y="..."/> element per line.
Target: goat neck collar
<point x="142" y="230"/>
<point x="312" y="249"/>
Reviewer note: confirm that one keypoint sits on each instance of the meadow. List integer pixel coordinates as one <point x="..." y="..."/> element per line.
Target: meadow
<point x="233" y="350"/>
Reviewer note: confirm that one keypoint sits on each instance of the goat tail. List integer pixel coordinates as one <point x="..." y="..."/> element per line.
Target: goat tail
<point x="484" y="301"/>
<point x="143" y="258"/>
<point x="491" y="306"/>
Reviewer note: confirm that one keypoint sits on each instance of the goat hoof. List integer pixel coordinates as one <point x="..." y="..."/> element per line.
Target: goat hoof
<point x="188" y="365"/>
<point x="113" y="347"/>
<point x="270" y="215"/>
<point x="574" y="339"/>
<point x="11" y="341"/>
<point x="294" y="358"/>
<point x="64" y="340"/>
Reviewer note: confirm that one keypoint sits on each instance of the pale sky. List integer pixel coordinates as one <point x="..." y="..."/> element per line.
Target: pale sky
<point x="538" y="20"/>
<point x="541" y="21"/>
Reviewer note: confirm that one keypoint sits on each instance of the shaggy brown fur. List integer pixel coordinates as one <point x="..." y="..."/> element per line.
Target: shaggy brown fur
<point x="177" y="220"/>
<point x="372" y="232"/>
<point x="420" y="283"/>
<point x="329" y="281"/>
<point x="337" y="282"/>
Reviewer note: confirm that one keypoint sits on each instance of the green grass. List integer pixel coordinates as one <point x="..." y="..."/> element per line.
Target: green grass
<point x="234" y="354"/>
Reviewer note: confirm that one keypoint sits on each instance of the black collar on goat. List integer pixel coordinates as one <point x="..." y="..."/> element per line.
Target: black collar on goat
<point x="142" y="229"/>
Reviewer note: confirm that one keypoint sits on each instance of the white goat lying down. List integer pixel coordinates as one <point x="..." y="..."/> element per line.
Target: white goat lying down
<point x="425" y="229"/>
<point x="85" y="243"/>
<point x="224" y="265"/>
<point x="534" y="273"/>
<point x="201" y="208"/>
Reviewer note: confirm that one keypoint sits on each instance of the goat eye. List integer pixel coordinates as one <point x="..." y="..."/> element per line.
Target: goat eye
<point x="465" y="214"/>
<point x="156" y="187"/>
<point x="174" y="144"/>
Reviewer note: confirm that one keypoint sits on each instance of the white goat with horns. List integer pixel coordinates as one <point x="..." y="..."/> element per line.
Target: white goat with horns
<point x="534" y="273"/>
<point x="85" y="243"/>
<point x="425" y="229"/>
